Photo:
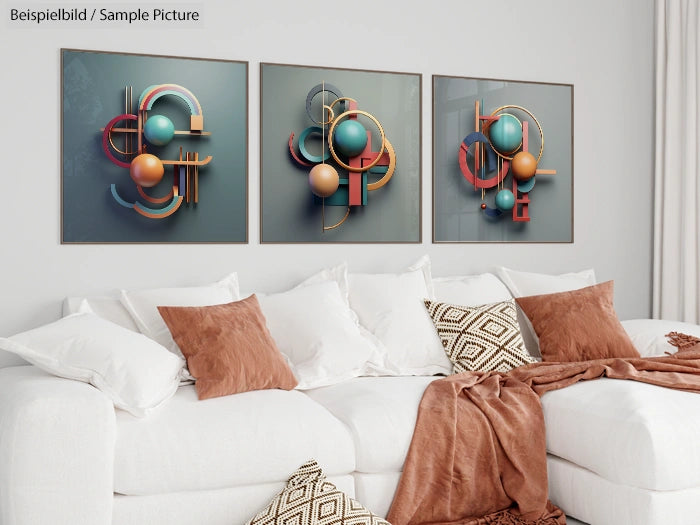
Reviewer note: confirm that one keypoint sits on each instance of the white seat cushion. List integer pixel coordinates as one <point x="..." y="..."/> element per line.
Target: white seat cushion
<point x="627" y="432"/>
<point x="592" y="499"/>
<point x="376" y="491"/>
<point x="242" y="439"/>
<point x="233" y="506"/>
<point x="649" y="335"/>
<point x="381" y="415"/>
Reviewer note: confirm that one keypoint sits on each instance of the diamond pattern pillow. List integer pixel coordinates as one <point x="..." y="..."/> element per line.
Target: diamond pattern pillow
<point x="480" y="338"/>
<point x="309" y="499"/>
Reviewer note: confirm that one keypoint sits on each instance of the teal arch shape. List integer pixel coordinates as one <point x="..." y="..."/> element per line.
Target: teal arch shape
<point x="188" y="101"/>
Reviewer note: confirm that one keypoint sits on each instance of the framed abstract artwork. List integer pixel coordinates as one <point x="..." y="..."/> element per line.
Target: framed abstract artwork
<point x="495" y="177"/>
<point x="154" y="149"/>
<point x="340" y="155"/>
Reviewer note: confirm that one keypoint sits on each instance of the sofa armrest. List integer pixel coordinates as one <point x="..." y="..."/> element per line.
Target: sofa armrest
<point x="57" y="441"/>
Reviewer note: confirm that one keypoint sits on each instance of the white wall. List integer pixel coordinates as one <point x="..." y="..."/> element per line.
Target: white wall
<point x="604" y="48"/>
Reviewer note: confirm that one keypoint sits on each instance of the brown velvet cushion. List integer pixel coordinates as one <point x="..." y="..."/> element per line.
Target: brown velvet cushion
<point x="228" y="348"/>
<point x="579" y="325"/>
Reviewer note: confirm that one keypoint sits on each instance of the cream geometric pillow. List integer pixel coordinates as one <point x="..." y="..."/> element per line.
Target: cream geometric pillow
<point x="308" y="499"/>
<point x="480" y="338"/>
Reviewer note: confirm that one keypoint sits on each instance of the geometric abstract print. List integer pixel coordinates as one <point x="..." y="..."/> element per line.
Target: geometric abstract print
<point x="480" y="338"/>
<point x="309" y="499"/>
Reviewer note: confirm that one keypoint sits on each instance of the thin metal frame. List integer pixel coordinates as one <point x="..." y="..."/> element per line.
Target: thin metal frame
<point x="573" y="215"/>
<point x="247" y="146"/>
<point x="420" y="155"/>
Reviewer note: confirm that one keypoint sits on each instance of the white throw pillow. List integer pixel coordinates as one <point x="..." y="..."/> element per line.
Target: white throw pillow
<point x="337" y="273"/>
<point x="143" y="305"/>
<point x="470" y="290"/>
<point x="318" y="333"/>
<point x="391" y="307"/>
<point x="137" y="374"/>
<point x="649" y="335"/>
<point x="523" y="284"/>
<point x="106" y="307"/>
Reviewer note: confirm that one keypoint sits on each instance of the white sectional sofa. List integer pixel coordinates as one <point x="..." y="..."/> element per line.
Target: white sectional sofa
<point x="620" y="453"/>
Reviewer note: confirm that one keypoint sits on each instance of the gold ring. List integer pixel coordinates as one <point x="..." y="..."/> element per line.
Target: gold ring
<point x="330" y="140"/>
<point x="389" y="172"/>
<point x="342" y="99"/>
<point x="532" y="117"/>
<point x="111" y="143"/>
<point x="331" y="115"/>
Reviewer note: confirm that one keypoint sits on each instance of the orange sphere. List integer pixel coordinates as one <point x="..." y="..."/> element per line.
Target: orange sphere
<point x="523" y="165"/>
<point x="146" y="170"/>
<point x="324" y="180"/>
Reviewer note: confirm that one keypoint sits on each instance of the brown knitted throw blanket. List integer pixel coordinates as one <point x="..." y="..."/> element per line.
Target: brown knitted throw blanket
<point x="478" y="453"/>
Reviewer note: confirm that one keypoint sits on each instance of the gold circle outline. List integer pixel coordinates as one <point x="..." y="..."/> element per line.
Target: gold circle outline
<point x="331" y="116"/>
<point x="324" y="124"/>
<point x="342" y="99"/>
<point x="111" y="143"/>
<point x="539" y="127"/>
<point x="389" y="172"/>
<point x="487" y="132"/>
<point x="330" y="140"/>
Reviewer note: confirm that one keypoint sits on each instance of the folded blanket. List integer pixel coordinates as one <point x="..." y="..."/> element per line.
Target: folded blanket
<point x="478" y="452"/>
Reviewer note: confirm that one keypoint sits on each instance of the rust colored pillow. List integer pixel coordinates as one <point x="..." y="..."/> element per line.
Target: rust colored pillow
<point x="228" y="348"/>
<point x="579" y="325"/>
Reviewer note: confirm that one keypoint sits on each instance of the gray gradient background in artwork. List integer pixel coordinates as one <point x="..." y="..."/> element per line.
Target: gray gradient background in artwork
<point x="93" y="93"/>
<point x="392" y="213"/>
<point x="456" y="206"/>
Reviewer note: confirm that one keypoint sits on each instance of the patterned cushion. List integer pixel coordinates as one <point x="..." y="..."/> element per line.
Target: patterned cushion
<point x="309" y="499"/>
<point x="480" y="338"/>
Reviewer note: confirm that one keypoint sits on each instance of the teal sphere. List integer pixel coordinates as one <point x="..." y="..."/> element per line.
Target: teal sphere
<point x="350" y="138"/>
<point x="506" y="134"/>
<point x="159" y="130"/>
<point x="505" y="200"/>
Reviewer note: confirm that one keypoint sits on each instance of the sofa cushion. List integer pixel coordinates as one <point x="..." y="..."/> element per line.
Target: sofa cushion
<point x="143" y="305"/>
<point x="482" y="338"/>
<point x="136" y="373"/>
<point x="380" y="412"/>
<point x="470" y="290"/>
<point x="579" y="325"/>
<point x="242" y="439"/>
<point x="228" y="347"/>
<point x="311" y="499"/>
<point x="649" y="335"/>
<point x="528" y="283"/>
<point x="390" y="306"/>
<point x="522" y="284"/>
<point x="232" y="506"/>
<point x="628" y="432"/>
<point x="315" y="328"/>
<point x="107" y="307"/>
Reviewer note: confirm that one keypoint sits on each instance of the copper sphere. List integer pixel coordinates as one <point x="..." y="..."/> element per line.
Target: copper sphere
<point x="323" y="180"/>
<point x="147" y="170"/>
<point x="523" y="166"/>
